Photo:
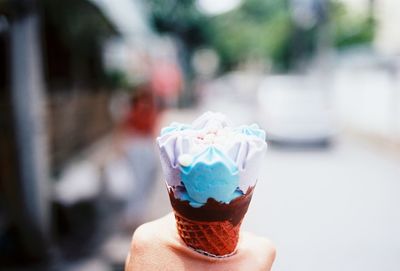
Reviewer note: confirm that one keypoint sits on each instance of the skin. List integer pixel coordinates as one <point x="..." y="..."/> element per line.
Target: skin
<point x="157" y="246"/>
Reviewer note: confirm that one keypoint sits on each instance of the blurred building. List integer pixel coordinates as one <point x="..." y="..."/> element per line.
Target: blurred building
<point x="56" y="89"/>
<point x="53" y="86"/>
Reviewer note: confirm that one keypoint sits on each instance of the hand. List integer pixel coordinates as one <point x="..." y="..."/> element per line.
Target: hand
<point x="157" y="246"/>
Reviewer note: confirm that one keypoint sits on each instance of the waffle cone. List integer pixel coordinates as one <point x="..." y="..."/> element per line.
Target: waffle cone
<point x="214" y="238"/>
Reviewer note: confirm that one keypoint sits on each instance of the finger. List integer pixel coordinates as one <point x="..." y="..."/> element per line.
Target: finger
<point x="127" y="261"/>
<point x="261" y="250"/>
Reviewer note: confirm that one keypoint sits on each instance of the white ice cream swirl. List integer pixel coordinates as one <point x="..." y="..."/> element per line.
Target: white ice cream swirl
<point x="181" y="144"/>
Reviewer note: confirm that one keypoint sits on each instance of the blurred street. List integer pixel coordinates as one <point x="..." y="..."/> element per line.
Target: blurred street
<point x="330" y="209"/>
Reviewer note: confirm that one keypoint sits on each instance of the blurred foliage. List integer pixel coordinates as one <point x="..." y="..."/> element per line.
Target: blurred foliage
<point x="258" y="29"/>
<point x="184" y="22"/>
<point x="350" y="29"/>
<point x="180" y="18"/>
<point x="238" y="35"/>
<point x="117" y="79"/>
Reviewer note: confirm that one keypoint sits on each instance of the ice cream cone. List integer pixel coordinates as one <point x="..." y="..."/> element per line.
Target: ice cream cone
<point x="212" y="229"/>
<point x="211" y="170"/>
<point x="215" y="238"/>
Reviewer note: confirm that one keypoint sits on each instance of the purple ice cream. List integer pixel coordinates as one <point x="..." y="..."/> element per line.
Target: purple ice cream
<point x="210" y="159"/>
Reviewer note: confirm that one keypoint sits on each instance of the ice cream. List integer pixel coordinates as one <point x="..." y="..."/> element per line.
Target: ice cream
<point x="211" y="169"/>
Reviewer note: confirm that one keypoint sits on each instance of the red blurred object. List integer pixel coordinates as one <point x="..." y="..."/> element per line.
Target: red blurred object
<point x="144" y="113"/>
<point x="166" y="80"/>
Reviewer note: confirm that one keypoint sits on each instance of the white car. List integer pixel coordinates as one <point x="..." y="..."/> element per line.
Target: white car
<point x="295" y="110"/>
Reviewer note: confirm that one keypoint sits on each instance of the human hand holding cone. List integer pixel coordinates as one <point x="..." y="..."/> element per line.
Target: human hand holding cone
<point x="211" y="170"/>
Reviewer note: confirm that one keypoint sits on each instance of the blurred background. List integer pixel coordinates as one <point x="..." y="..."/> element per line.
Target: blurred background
<point x="85" y="86"/>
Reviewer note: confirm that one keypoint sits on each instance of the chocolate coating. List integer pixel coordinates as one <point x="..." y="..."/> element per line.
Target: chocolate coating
<point x="212" y="210"/>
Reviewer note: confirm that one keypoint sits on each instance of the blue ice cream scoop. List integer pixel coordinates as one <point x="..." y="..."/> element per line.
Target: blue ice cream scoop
<point x="175" y="126"/>
<point x="211" y="174"/>
<point x="251" y="130"/>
